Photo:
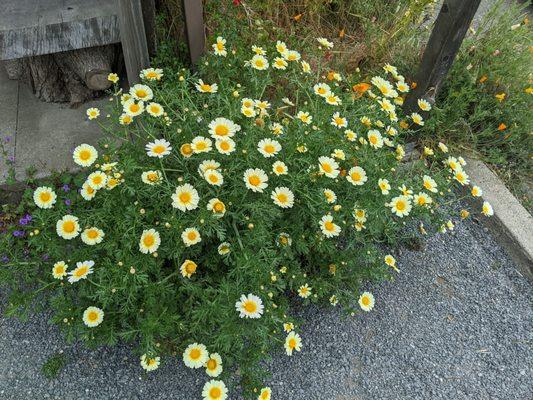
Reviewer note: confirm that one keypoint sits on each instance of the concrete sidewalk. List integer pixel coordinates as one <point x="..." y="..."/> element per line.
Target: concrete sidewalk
<point x="41" y="135"/>
<point x="456" y="324"/>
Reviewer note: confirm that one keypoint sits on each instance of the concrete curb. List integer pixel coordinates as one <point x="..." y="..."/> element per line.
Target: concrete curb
<point x="511" y="224"/>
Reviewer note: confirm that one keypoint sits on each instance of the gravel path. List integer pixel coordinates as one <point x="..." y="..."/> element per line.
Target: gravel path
<point x="457" y="323"/>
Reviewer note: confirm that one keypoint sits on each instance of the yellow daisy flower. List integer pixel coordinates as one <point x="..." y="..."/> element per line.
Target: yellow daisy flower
<point x="150" y="363"/>
<point x="85" y="155"/>
<point x="188" y="268"/>
<point x="250" y="306"/>
<point x="282" y="197"/>
<point x="59" y="270"/>
<point x="328" y="227"/>
<point x="219" y="47"/>
<point x="213" y="366"/>
<point x="93" y="113"/>
<point x="190" y="237"/>
<point x="141" y="92"/>
<point x="195" y="355"/>
<point x="155" y="109"/>
<point x="293" y="342"/>
<point x="328" y="166"/>
<point x="356" y="176"/>
<point x="366" y="301"/>
<point x="92" y="236"/>
<point x="215" y="390"/>
<point x="68" y="227"/>
<point x="206" y="88"/>
<point x="150" y="241"/>
<point x="93" y="316"/>
<point x="82" y="270"/>
<point x="255" y="179"/>
<point x="44" y="197"/>
<point x="268" y="147"/>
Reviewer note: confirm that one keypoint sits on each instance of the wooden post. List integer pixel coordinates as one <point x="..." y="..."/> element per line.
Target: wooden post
<point x="133" y="37"/>
<point x="194" y="23"/>
<point x="148" y="7"/>
<point x="448" y="33"/>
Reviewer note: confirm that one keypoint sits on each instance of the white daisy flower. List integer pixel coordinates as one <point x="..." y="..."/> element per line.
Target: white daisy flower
<point x="249" y="306"/>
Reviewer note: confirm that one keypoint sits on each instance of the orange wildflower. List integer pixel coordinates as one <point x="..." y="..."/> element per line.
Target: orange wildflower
<point x="483" y="79"/>
<point x="404" y="124"/>
<point x="413" y="85"/>
<point x="341" y="33"/>
<point x="360" y="88"/>
<point x="297" y="17"/>
<point x="502" y="127"/>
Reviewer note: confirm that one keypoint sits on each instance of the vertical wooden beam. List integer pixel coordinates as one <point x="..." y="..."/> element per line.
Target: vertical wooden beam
<point x="133" y="38"/>
<point x="148" y="7"/>
<point x="194" y="24"/>
<point x="452" y="23"/>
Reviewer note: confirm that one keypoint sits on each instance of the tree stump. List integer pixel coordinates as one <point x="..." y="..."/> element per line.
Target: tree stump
<point x="71" y="77"/>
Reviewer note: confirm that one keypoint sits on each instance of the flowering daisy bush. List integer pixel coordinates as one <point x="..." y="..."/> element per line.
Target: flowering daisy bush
<point x="221" y="202"/>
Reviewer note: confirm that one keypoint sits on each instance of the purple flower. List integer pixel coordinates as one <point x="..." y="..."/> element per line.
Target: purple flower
<point x="68" y="202"/>
<point x="7" y="139"/>
<point x="66" y="187"/>
<point x="11" y="158"/>
<point x="45" y="257"/>
<point x="5" y="259"/>
<point x="18" y="233"/>
<point x="25" y="220"/>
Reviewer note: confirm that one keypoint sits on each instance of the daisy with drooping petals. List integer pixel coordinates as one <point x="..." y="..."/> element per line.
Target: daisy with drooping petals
<point x="201" y="144"/>
<point x="384" y="87"/>
<point x="306" y="68"/>
<point x="276" y="128"/>
<point x="461" y="177"/>
<point x="249" y="306"/>
<point x="93" y="316"/>
<point x="305" y="117"/>
<point x="82" y="270"/>
<point x="219" y="47"/>
<point x="87" y="192"/>
<point x="190" y="237"/>
<point x="280" y="168"/>
<point x="430" y="184"/>
<point x="401" y="206"/>
<point x="476" y="191"/>
<point x="133" y="108"/>
<point x="255" y="179"/>
<point x="215" y="390"/>
<point x="338" y="121"/>
<point x="330" y="195"/>
<point x="357" y="176"/>
<point x="384" y="186"/>
<point x="213" y="366"/>
<point x="422" y="199"/>
<point x="265" y="394"/>
<point x="151" y="74"/>
<point x="59" y="270"/>
<point x="185" y="198"/>
<point x="125" y="119"/>
<point x="391" y="262"/>
<point x="150" y="363"/>
<point x="206" y="165"/>
<point x="333" y="100"/>
<point x="279" y="63"/>
<point x="150" y="241"/>
<point x="214" y="177"/>
<point x="325" y="43"/>
<point x="281" y="47"/>
<point x="152" y="177"/>
<point x="322" y="89"/>
<point x="350" y="135"/>
<point x="188" y="268"/>
<point x="195" y="355"/>
<point x="158" y="148"/>
<point x="328" y="227"/>
<point x="366" y="301"/>
<point x="85" y="155"/>
<point x="44" y="197"/>
<point x="291" y="55"/>
<point x="68" y="227"/>
<point x="268" y="147"/>
<point x="417" y="119"/>
<point x="97" y="180"/>
<point x="203" y="87"/>
<point x="221" y="128"/>
<point x="328" y="166"/>
<point x="293" y="342"/>
<point x="217" y="207"/>
<point x="225" y="146"/>
<point x="424" y="105"/>
<point x="93" y="113"/>
<point x="283" y="197"/>
<point x="155" y="109"/>
<point x="258" y="50"/>
<point x="486" y="209"/>
<point x="375" y="139"/>
<point x="141" y="92"/>
<point x="304" y="291"/>
<point x="224" y="248"/>
<point x="259" y="62"/>
<point x="92" y="236"/>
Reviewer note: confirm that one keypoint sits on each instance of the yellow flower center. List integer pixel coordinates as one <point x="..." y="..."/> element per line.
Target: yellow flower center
<point x="269" y="148"/>
<point x="69" y="226"/>
<point x="92" y="234"/>
<point x="221" y="130"/>
<point x="250" y="306"/>
<point x="218" y="207"/>
<point x="373" y="139"/>
<point x="151" y="75"/>
<point x="159" y="149"/>
<point x="149" y="240"/>
<point x="81" y="271"/>
<point x="85" y="155"/>
<point x="421" y="200"/>
<point x="150" y="361"/>
<point x="201" y="146"/>
<point x="45" y="196"/>
<point x="220" y="46"/>
<point x="191" y="235"/>
<point x="134" y="107"/>
<point x="356" y="176"/>
<point x="339" y="121"/>
<point x="327" y="168"/>
<point x="365" y="300"/>
<point x="97" y="179"/>
<point x="190" y="267"/>
<point x="225" y="146"/>
<point x="400" y="205"/>
<point x="195" y="354"/>
<point x="259" y="63"/>
<point x="92" y="316"/>
<point x="321" y="90"/>
<point x="205" y="87"/>
<point x="330" y="226"/>
<point x="152" y="177"/>
<point x="141" y="93"/>
<point x="254" y="180"/>
<point x="186" y="149"/>
<point x="213" y="178"/>
<point x="292" y="343"/>
<point x="211" y="364"/>
<point x="282" y="197"/>
<point x="185" y="197"/>
<point x="215" y="393"/>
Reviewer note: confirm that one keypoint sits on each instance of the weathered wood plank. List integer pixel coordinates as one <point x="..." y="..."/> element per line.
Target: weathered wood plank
<point x="452" y="23"/>
<point x="132" y="32"/>
<point x="194" y="23"/>
<point x="148" y="7"/>
<point x="31" y="28"/>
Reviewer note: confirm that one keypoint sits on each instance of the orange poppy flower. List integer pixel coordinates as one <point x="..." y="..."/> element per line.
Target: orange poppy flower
<point x="297" y="17"/>
<point x="361" y="88"/>
<point x="502" y="127"/>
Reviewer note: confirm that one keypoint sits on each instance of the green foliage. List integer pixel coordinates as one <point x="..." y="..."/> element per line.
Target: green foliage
<point x="54" y="365"/>
<point x="146" y="296"/>
<point x="494" y="60"/>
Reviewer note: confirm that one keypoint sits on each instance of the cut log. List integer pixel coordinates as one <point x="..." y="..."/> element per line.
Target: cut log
<point x="72" y="76"/>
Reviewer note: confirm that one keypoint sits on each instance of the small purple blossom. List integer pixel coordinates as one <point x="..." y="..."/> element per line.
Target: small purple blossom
<point x="18" y="233"/>
<point x="11" y="158"/>
<point x="25" y="220"/>
<point x="66" y="187"/>
<point x="68" y="202"/>
<point x="7" y="139"/>
<point x="46" y="257"/>
<point x="5" y="259"/>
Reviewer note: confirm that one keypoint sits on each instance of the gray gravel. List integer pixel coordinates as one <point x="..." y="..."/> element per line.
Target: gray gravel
<point x="457" y="323"/>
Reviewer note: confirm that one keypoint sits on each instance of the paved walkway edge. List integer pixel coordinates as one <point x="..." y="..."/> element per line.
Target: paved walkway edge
<point x="512" y="224"/>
